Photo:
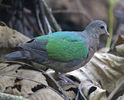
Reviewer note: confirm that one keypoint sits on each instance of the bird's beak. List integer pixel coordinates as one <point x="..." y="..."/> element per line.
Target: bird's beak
<point x="107" y="34"/>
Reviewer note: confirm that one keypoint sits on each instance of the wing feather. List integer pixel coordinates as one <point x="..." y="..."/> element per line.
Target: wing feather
<point x="60" y="46"/>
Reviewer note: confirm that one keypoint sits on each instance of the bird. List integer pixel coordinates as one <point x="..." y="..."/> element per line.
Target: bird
<point x="63" y="51"/>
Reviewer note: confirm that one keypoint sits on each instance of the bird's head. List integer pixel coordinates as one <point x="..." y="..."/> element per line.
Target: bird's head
<point x="98" y="27"/>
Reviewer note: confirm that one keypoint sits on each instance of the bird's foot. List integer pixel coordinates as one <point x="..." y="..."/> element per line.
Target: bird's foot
<point x="66" y="80"/>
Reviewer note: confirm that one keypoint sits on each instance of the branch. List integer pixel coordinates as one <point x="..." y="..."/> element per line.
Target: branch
<point x="50" y="16"/>
<point x="38" y="21"/>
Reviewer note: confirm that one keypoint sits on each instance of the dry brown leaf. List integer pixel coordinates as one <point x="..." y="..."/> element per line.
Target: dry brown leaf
<point x="106" y="70"/>
<point x="18" y="81"/>
<point x="69" y="90"/>
<point x="120" y="50"/>
<point x="45" y="94"/>
<point x="10" y="38"/>
<point x="9" y="69"/>
<point x="6" y="82"/>
<point x="32" y="81"/>
<point x="92" y="91"/>
<point x="25" y="82"/>
<point x="103" y="67"/>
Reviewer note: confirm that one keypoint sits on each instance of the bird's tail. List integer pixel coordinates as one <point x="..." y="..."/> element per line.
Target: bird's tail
<point x="19" y="55"/>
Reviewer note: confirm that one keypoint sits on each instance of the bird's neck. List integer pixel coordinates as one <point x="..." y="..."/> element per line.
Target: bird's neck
<point x="92" y="39"/>
<point x="92" y="33"/>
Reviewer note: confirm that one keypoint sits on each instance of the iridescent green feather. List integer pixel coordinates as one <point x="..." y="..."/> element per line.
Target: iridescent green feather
<point x="65" y="46"/>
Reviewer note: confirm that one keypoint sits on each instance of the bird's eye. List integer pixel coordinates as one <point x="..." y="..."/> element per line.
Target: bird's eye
<point x="102" y="27"/>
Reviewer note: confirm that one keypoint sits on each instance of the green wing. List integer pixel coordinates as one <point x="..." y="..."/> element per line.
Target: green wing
<point x="65" y="46"/>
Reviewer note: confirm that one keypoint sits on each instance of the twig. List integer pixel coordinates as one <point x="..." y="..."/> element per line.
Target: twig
<point x="31" y="24"/>
<point x="48" y="25"/>
<point x="115" y="90"/>
<point x="21" y="18"/>
<point x="59" y="87"/>
<point x="27" y="11"/>
<point x="115" y="38"/>
<point x="111" y="22"/>
<point x="50" y="16"/>
<point x="38" y="21"/>
<point x="113" y="42"/>
<point x="66" y="79"/>
<point x="42" y="16"/>
<point x="77" y="96"/>
<point x="82" y="94"/>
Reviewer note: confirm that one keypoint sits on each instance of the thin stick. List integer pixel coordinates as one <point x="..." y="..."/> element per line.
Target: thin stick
<point x="31" y="24"/>
<point x="82" y="94"/>
<point x="42" y="16"/>
<point x="38" y="21"/>
<point x="51" y="18"/>
<point x="48" y="25"/>
<point x="77" y="96"/>
<point x="59" y="87"/>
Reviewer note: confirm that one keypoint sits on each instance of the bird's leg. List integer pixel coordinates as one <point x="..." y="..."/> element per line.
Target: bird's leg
<point x="58" y="86"/>
<point x="66" y="79"/>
